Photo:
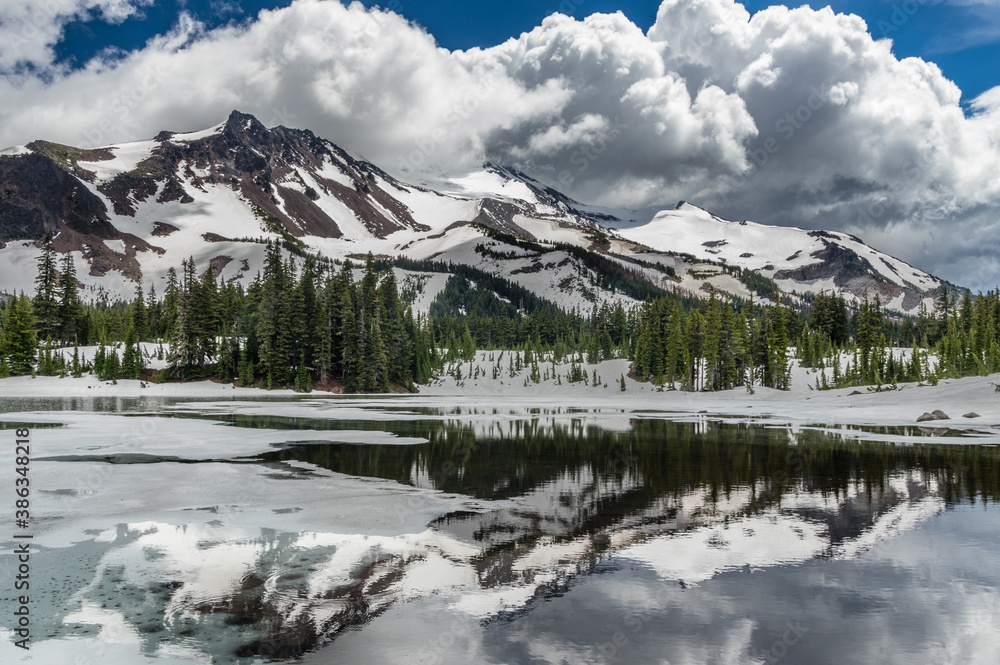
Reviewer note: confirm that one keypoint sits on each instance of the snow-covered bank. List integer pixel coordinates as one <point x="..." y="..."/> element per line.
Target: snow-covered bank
<point x="803" y="404"/>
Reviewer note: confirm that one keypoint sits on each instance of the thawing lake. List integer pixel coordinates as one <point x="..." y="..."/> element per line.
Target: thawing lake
<point x="495" y="530"/>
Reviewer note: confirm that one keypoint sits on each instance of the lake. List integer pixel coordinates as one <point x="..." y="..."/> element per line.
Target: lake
<point x="503" y="530"/>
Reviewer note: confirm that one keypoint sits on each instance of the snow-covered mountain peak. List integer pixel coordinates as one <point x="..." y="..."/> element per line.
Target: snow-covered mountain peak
<point x="130" y="211"/>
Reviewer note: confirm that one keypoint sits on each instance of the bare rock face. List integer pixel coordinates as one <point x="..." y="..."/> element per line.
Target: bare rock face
<point x="38" y="196"/>
<point x="260" y="164"/>
<point x="850" y="272"/>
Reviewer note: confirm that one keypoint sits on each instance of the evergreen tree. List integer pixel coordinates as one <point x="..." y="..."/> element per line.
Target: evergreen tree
<point x="111" y="367"/>
<point x="171" y="301"/>
<point x="202" y="302"/>
<point x="307" y="314"/>
<point x="46" y="303"/>
<point x="352" y="361"/>
<point x="185" y="347"/>
<point x="152" y="313"/>
<point x="140" y="316"/>
<point x="132" y="363"/>
<point x="776" y="373"/>
<point x="303" y="382"/>
<point x="397" y="345"/>
<point x="274" y="332"/>
<point x="77" y="370"/>
<point x="70" y="308"/>
<point x="18" y="345"/>
<point x="227" y="353"/>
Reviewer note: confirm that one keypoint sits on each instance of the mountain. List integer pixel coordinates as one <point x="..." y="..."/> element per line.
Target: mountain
<point x="797" y="260"/>
<point x="129" y="212"/>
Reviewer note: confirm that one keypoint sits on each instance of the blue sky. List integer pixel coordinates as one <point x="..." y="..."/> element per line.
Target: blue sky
<point x="961" y="36"/>
<point x="798" y="119"/>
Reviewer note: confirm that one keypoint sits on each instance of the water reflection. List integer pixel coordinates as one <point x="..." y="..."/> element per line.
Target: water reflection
<point x="650" y="459"/>
<point x="563" y="495"/>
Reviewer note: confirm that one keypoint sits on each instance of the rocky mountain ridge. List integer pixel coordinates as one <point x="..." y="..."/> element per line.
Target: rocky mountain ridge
<point x="129" y="212"/>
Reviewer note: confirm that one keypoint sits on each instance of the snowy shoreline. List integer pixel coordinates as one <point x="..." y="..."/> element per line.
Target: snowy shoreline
<point x="800" y="405"/>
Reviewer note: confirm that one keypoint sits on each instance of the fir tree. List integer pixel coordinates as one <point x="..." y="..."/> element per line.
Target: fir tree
<point x="70" y="308"/>
<point x="46" y="304"/>
<point x="77" y="369"/>
<point x="140" y="315"/>
<point x="111" y="368"/>
<point x="303" y="383"/>
<point x="132" y="362"/>
<point x="202" y="302"/>
<point x="777" y="370"/>
<point x="171" y="301"/>
<point x="18" y="345"/>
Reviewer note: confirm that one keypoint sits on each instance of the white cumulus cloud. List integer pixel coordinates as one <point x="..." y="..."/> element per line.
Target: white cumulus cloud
<point x="790" y="116"/>
<point x="30" y="28"/>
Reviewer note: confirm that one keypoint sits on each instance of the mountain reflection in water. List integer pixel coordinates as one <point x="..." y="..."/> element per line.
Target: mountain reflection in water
<point x="559" y="496"/>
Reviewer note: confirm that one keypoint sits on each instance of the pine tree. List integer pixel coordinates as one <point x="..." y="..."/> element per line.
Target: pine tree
<point x="183" y="342"/>
<point x="228" y="351"/>
<point x="273" y="320"/>
<point x="202" y="296"/>
<point x="19" y="343"/>
<point x="776" y="372"/>
<point x="870" y="339"/>
<point x="303" y="383"/>
<point x="171" y="301"/>
<point x="132" y="363"/>
<point x="46" y="367"/>
<point x="140" y="316"/>
<point x="353" y="350"/>
<point x="712" y="337"/>
<point x="70" y="308"/>
<point x="376" y="369"/>
<point x="246" y="371"/>
<point x="152" y="312"/>
<point x="77" y="370"/>
<point x="46" y="304"/>
<point x="308" y="316"/>
<point x="111" y="368"/>
<point x="343" y="328"/>
<point x="99" y="357"/>
<point x="398" y="346"/>
<point x="323" y="330"/>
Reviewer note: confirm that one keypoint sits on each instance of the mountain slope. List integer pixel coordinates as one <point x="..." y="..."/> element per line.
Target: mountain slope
<point x="129" y="212"/>
<point x="796" y="259"/>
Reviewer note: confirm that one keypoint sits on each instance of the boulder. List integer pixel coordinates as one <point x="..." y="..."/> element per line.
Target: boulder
<point x="971" y="414"/>
<point x="936" y="414"/>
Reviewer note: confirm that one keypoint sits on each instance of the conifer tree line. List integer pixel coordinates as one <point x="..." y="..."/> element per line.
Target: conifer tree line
<point x="866" y="340"/>
<point x="306" y="321"/>
<point x="468" y="316"/>
<point x="965" y="336"/>
<point x="292" y="326"/>
<point x="714" y="345"/>
<point x="958" y="339"/>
